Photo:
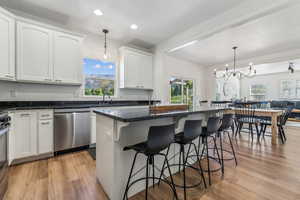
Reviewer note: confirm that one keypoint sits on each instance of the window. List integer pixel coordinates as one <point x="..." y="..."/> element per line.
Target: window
<point x="182" y="91"/>
<point x="287" y="89"/>
<point x="258" y="92"/>
<point x="99" y="77"/>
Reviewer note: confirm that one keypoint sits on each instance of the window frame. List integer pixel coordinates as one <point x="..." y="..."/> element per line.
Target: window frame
<point x="115" y="79"/>
<point x="182" y="79"/>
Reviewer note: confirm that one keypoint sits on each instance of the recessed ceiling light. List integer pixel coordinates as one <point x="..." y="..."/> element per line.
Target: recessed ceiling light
<point x="134" y="26"/>
<point x="98" y="12"/>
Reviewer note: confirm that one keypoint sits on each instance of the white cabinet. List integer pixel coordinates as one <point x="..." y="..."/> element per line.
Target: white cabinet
<point x="136" y="69"/>
<point x="93" y="128"/>
<point x="48" y="56"/>
<point x="24" y="134"/>
<point x="45" y="132"/>
<point x="7" y="46"/>
<point x="34" y="53"/>
<point x="31" y="134"/>
<point x="67" y="58"/>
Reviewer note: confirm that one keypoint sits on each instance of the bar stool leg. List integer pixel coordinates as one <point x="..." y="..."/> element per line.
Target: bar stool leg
<point x="180" y="152"/>
<point x="200" y="166"/>
<point x="163" y="166"/>
<point x="222" y="157"/>
<point x="232" y="148"/>
<point x="188" y="152"/>
<point x="171" y="177"/>
<point x="153" y="172"/>
<point x="215" y="146"/>
<point x="207" y="158"/>
<point x="147" y="177"/>
<point x="184" y="178"/>
<point x="130" y="173"/>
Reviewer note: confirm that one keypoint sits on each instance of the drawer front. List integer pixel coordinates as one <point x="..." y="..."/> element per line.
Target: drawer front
<point x="45" y="114"/>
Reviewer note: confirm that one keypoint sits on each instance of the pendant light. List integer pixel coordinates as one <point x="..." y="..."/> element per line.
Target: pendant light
<point x="105" y="56"/>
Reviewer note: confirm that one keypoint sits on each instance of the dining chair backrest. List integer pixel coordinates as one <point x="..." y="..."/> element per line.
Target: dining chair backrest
<point x="246" y="112"/>
<point x="285" y="116"/>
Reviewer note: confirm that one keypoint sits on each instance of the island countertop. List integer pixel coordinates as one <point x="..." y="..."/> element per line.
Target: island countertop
<point x="140" y="114"/>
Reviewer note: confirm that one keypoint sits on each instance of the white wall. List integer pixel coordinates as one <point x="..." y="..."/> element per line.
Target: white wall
<point x="168" y="66"/>
<point x="272" y="82"/>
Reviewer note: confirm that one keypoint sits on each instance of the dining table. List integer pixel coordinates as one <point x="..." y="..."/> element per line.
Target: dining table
<point x="265" y="112"/>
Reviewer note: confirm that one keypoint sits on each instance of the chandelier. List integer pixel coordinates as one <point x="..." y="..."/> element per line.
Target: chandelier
<point x="235" y="73"/>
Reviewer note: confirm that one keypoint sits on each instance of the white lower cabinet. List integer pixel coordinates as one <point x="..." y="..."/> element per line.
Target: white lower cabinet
<point x="30" y="135"/>
<point x="24" y="134"/>
<point x="45" y="142"/>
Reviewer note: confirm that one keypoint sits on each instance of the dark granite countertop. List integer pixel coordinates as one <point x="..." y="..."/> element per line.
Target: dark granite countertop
<point x="140" y="114"/>
<point x="30" y="105"/>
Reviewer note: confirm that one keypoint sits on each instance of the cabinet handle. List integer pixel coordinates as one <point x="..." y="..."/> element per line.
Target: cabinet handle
<point x="45" y="123"/>
<point x="45" y="115"/>
<point x="8" y="76"/>
<point x="58" y="80"/>
<point x="25" y="115"/>
<point x="46" y="79"/>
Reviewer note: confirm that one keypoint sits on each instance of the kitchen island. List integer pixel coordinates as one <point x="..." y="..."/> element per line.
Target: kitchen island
<point x="120" y="127"/>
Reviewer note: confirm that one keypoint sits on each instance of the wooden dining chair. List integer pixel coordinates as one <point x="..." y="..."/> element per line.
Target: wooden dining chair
<point x="245" y="114"/>
<point x="282" y="119"/>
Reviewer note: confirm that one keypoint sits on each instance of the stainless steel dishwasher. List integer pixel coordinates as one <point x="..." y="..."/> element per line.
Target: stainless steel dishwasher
<point x="72" y="128"/>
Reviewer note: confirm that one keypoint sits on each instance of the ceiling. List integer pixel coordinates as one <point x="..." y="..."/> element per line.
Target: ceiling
<point x="158" y="20"/>
<point x="270" y="34"/>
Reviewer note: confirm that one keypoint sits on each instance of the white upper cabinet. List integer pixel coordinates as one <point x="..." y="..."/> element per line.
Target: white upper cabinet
<point x="45" y="55"/>
<point x="7" y="46"/>
<point x="34" y="53"/>
<point x="67" y="58"/>
<point x="136" y="69"/>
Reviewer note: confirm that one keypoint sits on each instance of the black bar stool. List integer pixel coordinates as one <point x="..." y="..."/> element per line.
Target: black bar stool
<point x="159" y="139"/>
<point x="192" y="130"/>
<point x="227" y="123"/>
<point x="213" y="125"/>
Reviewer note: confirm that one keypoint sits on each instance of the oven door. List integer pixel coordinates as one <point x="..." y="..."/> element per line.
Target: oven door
<point x="3" y="162"/>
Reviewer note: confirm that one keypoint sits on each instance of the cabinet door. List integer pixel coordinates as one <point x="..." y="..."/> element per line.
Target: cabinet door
<point x="45" y="136"/>
<point x="146" y="72"/>
<point x="93" y="129"/>
<point x="7" y="47"/>
<point x="34" y="53"/>
<point x="25" y="134"/>
<point x="132" y="62"/>
<point x="68" y="62"/>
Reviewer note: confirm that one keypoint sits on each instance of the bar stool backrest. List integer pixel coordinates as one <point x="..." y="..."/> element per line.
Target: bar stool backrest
<point x="213" y="124"/>
<point x="192" y="128"/>
<point x="227" y="121"/>
<point x="160" y="137"/>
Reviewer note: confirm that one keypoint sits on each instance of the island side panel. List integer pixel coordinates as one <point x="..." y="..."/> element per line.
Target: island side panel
<point x="104" y="153"/>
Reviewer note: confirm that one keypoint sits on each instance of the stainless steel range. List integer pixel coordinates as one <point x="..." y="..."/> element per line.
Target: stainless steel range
<point x="4" y="130"/>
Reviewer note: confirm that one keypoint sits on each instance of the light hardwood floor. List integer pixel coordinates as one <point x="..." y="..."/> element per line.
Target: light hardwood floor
<point x="263" y="172"/>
